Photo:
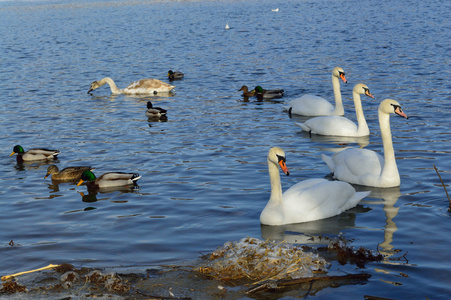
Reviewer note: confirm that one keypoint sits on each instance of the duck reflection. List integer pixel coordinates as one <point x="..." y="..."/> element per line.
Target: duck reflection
<point x="92" y="193"/>
<point x="29" y="165"/>
<point x="303" y="232"/>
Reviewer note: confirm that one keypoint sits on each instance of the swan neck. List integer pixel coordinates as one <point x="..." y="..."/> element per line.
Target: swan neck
<point x="112" y="85"/>
<point x="362" y="125"/>
<point x="339" y="109"/>
<point x="276" y="187"/>
<point x="390" y="167"/>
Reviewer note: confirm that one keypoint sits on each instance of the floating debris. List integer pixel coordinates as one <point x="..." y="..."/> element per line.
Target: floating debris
<point x="345" y="254"/>
<point x="9" y="277"/>
<point x="11" y="287"/>
<point x="257" y="260"/>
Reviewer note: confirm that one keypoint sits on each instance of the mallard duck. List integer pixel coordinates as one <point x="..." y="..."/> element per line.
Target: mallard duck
<point x="69" y="173"/>
<point x="110" y="179"/>
<point x="154" y="112"/>
<point x="268" y="94"/>
<point x="140" y="87"/>
<point x="34" y="154"/>
<point x="246" y="92"/>
<point x="175" y="75"/>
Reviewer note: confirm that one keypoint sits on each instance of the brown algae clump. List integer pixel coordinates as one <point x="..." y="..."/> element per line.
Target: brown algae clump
<point x="255" y="260"/>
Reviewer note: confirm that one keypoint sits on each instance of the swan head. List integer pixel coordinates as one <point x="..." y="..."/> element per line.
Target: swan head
<point x="277" y="156"/>
<point x="390" y="106"/>
<point x="339" y="73"/>
<point x="362" y="89"/>
<point x="94" y="85"/>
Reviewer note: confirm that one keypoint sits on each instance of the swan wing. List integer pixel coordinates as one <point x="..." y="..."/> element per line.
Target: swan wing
<point x="311" y="105"/>
<point x="330" y="125"/>
<point x="148" y="86"/>
<point x="357" y="166"/>
<point x="318" y="199"/>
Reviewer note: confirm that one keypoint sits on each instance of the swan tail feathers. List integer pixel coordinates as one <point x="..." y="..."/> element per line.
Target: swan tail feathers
<point x="355" y="199"/>
<point x="303" y="126"/>
<point x="286" y="107"/>
<point x="329" y="162"/>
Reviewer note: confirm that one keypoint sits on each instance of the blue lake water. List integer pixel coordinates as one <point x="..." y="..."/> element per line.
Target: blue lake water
<point x="204" y="172"/>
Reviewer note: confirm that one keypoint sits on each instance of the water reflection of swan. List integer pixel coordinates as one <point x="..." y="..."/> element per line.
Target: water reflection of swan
<point x="308" y="200"/>
<point x="311" y="105"/>
<point x="303" y="232"/>
<point x="339" y="143"/>
<point x="390" y="197"/>
<point x="366" y="167"/>
<point x="341" y="126"/>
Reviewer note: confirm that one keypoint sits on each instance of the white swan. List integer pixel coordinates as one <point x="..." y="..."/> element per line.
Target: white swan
<point x="366" y="167"/>
<point x="308" y="200"/>
<point x="341" y="126"/>
<point x="139" y="87"/>
<point x="311" y="105"/>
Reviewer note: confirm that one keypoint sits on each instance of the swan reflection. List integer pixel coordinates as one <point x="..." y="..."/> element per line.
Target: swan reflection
<point x="302" y="232"/>
<point x="389" y="196"/>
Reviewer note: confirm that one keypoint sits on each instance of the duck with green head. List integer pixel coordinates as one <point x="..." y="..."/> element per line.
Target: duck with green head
<point x="268" y="94"/>
<point x="34" y="154"/>
<point x="174" y="75"/>
<point x="110" y="179"/>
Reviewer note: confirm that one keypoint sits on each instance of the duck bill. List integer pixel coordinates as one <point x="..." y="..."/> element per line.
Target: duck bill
<point x="284" y="168"/>
<point x="80" y="182"/>
<point x="343" y="77"/>
<point x="46" y="176"/>
<point x="399" y="112"/>
<point x="12" y="153"/>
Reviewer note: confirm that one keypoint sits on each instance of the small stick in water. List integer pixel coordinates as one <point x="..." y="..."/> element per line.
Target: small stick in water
<point x="449" y="207"/>
<point x="49" y="267"/>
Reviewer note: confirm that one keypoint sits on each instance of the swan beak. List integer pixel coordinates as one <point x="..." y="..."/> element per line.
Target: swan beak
<point x="12" y="153"/>
<point x="90" y="90"/>
<point x="399" y="112"/>
<point x="342" y="76"/>
<point x="367" y="92"/>
<point x="284" y="168"/>
<point x="80" y="182"/>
